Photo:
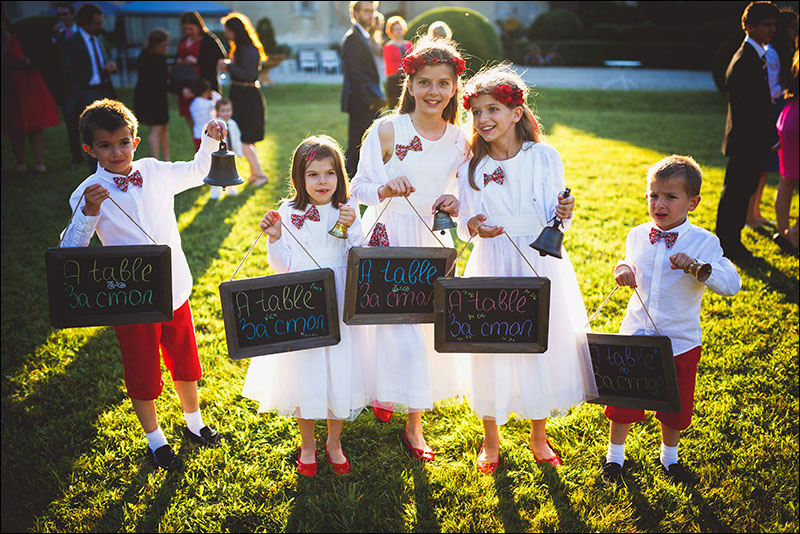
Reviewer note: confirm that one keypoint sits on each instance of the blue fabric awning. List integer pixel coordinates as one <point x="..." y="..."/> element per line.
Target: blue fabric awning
<point x="146" y="7"/>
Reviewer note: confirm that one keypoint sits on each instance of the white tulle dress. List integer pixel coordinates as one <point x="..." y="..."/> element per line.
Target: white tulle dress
<point x="531" y="386"/>
<point x="320" y="383"/>
<point x="405" y="368"/>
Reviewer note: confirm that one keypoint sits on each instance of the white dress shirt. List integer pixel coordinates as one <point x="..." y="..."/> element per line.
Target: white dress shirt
<point x="88" y="39"/>
<point x="672" y="296"/>
<point x="773" y="71"/>
<point x="152" y="206"/>
<point x="202" y="111"/>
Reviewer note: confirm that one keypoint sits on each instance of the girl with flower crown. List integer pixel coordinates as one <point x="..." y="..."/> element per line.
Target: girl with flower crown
<point x="414" y="153"/>
<point x="513" y="184"/>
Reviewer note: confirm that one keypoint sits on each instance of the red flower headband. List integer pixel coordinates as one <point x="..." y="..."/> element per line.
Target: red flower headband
<point x="505" y="94"/>
<point x="413" y="63"/>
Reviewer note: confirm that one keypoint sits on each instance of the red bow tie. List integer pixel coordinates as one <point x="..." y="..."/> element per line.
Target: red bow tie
<point x="402" y="150"/>
<point x="133" y="179"/>
<point x="497" y="176"/>
<point x="669" y="237"/>
<point x="312" y="215"/>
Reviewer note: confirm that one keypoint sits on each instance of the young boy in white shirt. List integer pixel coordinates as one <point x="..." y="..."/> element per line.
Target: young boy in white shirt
<point x="657" y="259"/>
<point x="202" y="108"/>
<point x="144" y="192"/>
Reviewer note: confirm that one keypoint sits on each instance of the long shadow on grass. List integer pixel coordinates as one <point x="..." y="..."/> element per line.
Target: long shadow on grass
<point x="156" y="505"/>
<point x="507" y="504"/>
<point x="568" y="519"/>
<point x="772" y="277"/>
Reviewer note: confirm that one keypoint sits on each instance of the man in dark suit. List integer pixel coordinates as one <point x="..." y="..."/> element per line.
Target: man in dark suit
<point x="749" y="130"/>
<point x="87" y="69"/>
<point x="362" y="94"/>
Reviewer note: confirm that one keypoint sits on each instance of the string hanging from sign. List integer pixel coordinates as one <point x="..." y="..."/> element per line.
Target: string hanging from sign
<point x="115" y="203"/>
<point x="423" y="221"/>
<point x="609" y="296"/>
<point x="259" y="237"/>
<point x="521" y="254"/>
<point x="455" y="262"/>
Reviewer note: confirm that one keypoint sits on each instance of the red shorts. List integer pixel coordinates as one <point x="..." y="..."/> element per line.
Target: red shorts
<point x="141" y="358"/>
<point x="196" y="144"/>
<point x="686" y="369"/>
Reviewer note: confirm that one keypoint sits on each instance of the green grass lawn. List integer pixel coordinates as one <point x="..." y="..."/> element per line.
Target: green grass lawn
<point x="72" y="450"/>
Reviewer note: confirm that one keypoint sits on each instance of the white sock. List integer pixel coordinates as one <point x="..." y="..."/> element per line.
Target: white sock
<point x="194" y="421"/>
<point x="616" y="453"/>
<point x="232" y="191"/>
<point x="669" y="455"/>
<point x="156" y="439"/>
<point x="216" y="192"/>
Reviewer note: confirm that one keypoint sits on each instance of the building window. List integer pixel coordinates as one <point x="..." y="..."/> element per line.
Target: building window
<point x="305" y="9"/>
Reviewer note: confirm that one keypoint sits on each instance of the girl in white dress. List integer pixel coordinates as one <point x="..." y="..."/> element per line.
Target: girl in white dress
<point x="414" y="153"/>
<point x="512" y="184"/>
<point x="327" y="382"/>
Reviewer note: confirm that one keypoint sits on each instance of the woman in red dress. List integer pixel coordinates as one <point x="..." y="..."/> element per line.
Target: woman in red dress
<point x="27" y="106"/>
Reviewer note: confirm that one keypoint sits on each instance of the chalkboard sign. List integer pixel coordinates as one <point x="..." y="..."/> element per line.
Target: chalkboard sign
<point x="280" y="313"/>
<point x="96" y="286"/>
<point x="635" y="372"/>
<point x="391" y="285"/>
<point x="484" y="314"/>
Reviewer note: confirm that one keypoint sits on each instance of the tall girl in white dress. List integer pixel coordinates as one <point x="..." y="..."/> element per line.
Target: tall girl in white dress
<point x="415" y="153"/>
<point x="327" y="382"/>
<point x="513" y="184"/>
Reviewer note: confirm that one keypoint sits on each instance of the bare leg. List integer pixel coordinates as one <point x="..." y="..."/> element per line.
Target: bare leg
<point x="308" y="445"/>
<point x="146" y="413"/>
<point x="618" y="432"/>
<point x="153" y="141"/>
<point x="18" y="148"/>
<point x="187" y="393"/>
<point x="257" y="176"/>
<point x="783" y="203"/>
<point x="754" y="217"/>
<point x="334" y="443"/>
<point x="491" y="441"/>
<point x="538" y="440"/>
<point x="164" y="143"/>
<point x="414" y="431"/>
<point x="37" y="145"/>
<point x="669" y="436"/>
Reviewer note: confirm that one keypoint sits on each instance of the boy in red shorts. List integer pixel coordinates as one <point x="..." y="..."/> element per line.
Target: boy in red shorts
<point x="657" y="259"/>
<point x="145" y="191"/>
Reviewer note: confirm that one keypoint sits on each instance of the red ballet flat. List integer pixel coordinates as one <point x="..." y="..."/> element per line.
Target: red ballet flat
<point x="340" y="469"/>
<point x="419" y="454"/>
<point x="487" y="468"/>
<point x="307" y="470"/>
<point x="384" y="414"/>
<point x="554" y="460"/>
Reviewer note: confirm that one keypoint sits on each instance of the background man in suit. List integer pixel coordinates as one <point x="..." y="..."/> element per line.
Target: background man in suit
<point x="362" y="94"/>
<point x="87" y="70"/>
<point x="749" y="130"/>
<point x="65" y="29"/>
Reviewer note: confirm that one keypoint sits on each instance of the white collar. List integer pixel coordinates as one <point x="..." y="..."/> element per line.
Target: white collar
<point x="364" y="32"/>
<point x="759" y="49"/>
<point x="680" y="229"/>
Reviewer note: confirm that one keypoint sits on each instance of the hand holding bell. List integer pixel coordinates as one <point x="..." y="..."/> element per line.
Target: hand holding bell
<point x="347" y="216"/>
<point x="549" y="241"/>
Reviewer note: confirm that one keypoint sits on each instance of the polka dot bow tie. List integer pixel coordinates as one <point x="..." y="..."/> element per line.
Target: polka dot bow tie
<point x="497" y="176"/>
<point x="133" y="179"/>
<point x="669" y="237"/>
<point x="312" y="215"/>
<point x="402" y="150"/>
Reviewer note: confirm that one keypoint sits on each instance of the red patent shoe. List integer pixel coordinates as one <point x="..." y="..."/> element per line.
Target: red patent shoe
<point x="485" y="467"/>
<point x="384" y="414"/>
<point x="307" y="470"/>
<point x="554" y="460"/>
<point x="419" y="454"/>
<point x="340" y="469"/>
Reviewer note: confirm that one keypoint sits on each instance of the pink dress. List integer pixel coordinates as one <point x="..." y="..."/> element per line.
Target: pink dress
<point x="790" y="138"/>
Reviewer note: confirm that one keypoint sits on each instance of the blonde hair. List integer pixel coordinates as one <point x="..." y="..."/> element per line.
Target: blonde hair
<point x="397" y="19"/>
<point x="674" y="166"/>
<point x="486" y="81"/>
<point x="440" y="30"/>
<point x="243" y="31"/>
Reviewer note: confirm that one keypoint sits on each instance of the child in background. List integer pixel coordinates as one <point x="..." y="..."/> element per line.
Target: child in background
<point x="414" y="153"/>
<point x="513" y="184"/>
<point x="224" y="109"/>
<point x="141" y="188"/>
<point x="657" y="257"/>
<point x="327" y="382"/>
<point x="202" y="108"/>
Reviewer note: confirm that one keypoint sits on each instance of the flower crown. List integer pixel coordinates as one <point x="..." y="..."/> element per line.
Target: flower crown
<point x="510" y="96"/>
<point x="413" y="63"/>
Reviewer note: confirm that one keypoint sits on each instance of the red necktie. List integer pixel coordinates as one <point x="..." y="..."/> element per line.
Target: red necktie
<point x="497" y="176"/>
<point x="402" y="150"/>
<point x="669" y="237"/>
<point x="312" y="215"/>
<point x="133" y="179"/>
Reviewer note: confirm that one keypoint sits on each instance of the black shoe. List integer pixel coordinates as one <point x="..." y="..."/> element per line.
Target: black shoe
<point x="610" y="472"/>
<point x="677" y="473"/>
<point x="207" y="437"/>
<point x="164" y="458"/>
<point x="784" y="244"/>
<point x="743" y="256"/>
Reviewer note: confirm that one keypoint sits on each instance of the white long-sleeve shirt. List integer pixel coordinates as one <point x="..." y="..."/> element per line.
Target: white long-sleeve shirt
<point x="203" y="110"/>
<point x="672" y="296"/>
<point x="152" y="206"/>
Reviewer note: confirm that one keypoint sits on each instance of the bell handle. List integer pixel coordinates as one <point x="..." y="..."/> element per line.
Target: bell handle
<point x="222" y="145"/>
<point x="556" y="221"/>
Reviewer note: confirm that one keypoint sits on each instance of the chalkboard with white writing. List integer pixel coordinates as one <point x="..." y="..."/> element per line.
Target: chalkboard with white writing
<point x="635" y="372"/>
<point x="97" y="286"/>
<point x="393" y="285"/>
<point x="491" y="314"/>
<point x="280" y="313"/>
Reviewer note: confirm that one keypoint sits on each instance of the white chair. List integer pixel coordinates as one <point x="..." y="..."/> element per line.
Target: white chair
<point x="307" y="61"/>
<point x="330" y="61"/>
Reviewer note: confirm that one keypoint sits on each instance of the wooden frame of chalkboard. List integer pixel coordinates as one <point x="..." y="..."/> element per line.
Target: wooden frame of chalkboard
<point x="635" y="372"/>
<point x="100" y="286"/>
<point x="515" y="323"/>
<point x="279" y="304"/>
<point x="399" y="294"/>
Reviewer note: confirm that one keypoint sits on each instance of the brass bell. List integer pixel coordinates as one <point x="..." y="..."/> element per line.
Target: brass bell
<point x="700" y="270"/>
<point x="442" y="221"/>
<point x="549" y="241"/>
<point x="223" y="168"/>
<point x="339" y="230"/>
